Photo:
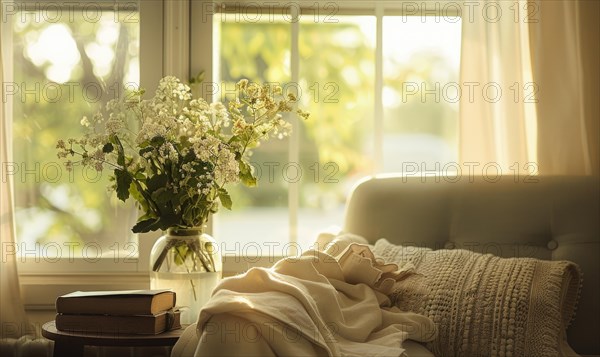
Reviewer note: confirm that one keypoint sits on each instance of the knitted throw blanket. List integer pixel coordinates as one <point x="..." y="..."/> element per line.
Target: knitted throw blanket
<point x="485" y="305"/>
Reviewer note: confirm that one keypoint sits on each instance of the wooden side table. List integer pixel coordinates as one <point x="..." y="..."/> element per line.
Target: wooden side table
<point x="70" y="344"/>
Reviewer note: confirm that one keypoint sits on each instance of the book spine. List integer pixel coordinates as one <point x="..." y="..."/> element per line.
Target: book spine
<point x="104" y="307"/>
<point x="114" y="325"/>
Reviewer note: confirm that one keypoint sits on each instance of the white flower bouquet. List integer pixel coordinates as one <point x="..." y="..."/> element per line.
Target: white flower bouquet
<point x="175" y="154"/>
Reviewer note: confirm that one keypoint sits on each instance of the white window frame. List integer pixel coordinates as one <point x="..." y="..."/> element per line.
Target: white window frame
<point x="182" y="31"/>
<point x="44" y="278"/>
<point x="203" y="58"/>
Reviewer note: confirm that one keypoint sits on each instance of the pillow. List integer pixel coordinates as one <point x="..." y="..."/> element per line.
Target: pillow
<point x="485" y="305"/>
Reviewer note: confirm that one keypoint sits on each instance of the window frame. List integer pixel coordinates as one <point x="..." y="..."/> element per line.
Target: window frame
<point x="184" y="42"/>
<point x="44" y="278"/>
<point x="204" y="59"/>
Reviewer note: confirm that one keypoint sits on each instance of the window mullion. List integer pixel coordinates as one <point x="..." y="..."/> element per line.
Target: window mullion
<point x="151" y="71"/>
<point x="378" y="105"/>
<point x="151" y="38"/>
<point x="177" y="39"/>
<point x="294" y="144"/>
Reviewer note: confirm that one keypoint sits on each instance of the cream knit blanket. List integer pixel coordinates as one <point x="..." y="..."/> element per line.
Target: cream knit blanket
<point x="322" y="303"/>
<point x="485" y="305"/>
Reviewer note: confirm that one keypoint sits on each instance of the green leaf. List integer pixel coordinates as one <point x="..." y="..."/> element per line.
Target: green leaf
<point x="152" y="224"/>
<point x="147" y="216"/>
<point x="120" y="151"/>
<point x="234" y="139"/>
<point x="124" y="180"/>
<point x="144" y="226"/>
<point x="181" y="252"/>
<point x="138" y="196"/>
<point x="157" y="141"/>
<point x="168" y="220"/>
<point x="246" y="174"/>
<point x="162" y="196"/>
<point x="198" y="79"/>
<point x="225" y="198"/>
<point x="107" y="148"/>
<point x="145" y="150"/>
<point x="156" y="182"/>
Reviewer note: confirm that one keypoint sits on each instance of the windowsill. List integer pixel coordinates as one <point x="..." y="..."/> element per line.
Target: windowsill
<point x="40" y="290"/>
<point x="42" y="282"/>
<point x="69" y="266"/>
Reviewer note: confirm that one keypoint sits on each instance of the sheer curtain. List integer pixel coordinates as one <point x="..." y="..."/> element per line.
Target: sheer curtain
<point x="564" y="48"/>
<point x="529" y="72"/>
<point x="17" y="335"/>
<point x="497" y="122"/>
<point x="14" y="320"/>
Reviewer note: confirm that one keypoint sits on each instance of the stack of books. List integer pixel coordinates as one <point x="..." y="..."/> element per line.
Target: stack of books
<point x="118" y="312"/>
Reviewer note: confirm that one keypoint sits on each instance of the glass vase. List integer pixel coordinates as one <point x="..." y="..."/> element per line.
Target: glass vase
<point x="188" y="262"/>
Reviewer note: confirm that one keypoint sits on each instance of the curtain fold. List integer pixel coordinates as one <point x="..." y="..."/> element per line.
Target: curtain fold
<point x="495" y="77"/>
<point x="12" y="313"/>
<point x="565" y="57"/>
<point x="530" y="78"/>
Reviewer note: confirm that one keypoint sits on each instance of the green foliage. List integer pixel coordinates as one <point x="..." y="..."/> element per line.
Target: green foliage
<point x="124" y="180"/>
<point x="177" y="164"/>
<point x="337" y="87"/>
<point x="343" y="105"/>
<point x="56" y="205"/>
<point x="336" y="78"/>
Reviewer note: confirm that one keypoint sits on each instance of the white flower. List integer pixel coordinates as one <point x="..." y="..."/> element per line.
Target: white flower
<point x="227" y="169"/>
<point x="242" y="84"/>
<point x="113" y="125"/>
<point x="85" y="122"/>
<point x="206" y="149"/>
<point x="186" y="137"/>
<point x="168" y="151"/>
<point x="221" y="115"/>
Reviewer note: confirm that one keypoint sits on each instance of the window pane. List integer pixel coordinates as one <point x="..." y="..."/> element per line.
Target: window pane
<point x="337" y="85"/>
<point x="420" y="67"/>
<point x="259" y="51"/>
<point x="67" y="64"/>
<point x="337" y="67"/>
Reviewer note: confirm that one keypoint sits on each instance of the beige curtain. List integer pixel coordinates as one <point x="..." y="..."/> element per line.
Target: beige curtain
<point x="12" y="314"/>
<point x="17" y="336"/>
<point x="565" y="57"/>
<point x="543" y="57"/>
<point x="495" y="116"/>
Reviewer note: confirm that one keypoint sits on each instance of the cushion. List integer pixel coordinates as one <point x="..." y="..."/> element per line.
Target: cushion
<point x="484" y="305"/>
<point x="25" y="346"/>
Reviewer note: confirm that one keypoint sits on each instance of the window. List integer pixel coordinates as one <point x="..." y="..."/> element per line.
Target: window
<point x="67" y="60"/>
<point x="421" y="57"/>
<point x="378" y="81"/>
<point x="380" y="100"/>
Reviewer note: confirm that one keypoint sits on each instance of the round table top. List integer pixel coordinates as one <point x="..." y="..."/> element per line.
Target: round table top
<point x="168" y="338"/>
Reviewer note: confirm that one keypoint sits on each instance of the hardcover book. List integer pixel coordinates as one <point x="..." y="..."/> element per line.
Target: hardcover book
<point x="136" y="324"/>
<point x="120" y="302"/>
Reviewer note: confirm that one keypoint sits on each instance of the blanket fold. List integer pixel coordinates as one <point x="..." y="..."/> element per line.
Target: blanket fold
<point x="322" y="303"/>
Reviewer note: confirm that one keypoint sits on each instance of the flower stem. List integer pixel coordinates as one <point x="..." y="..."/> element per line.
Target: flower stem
<point x="186" y="268"/>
